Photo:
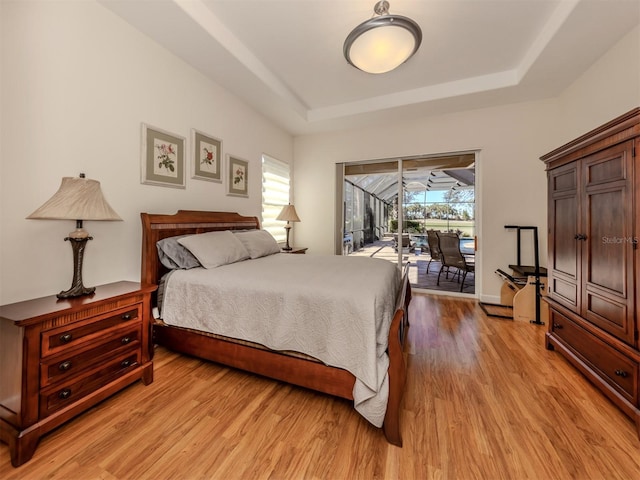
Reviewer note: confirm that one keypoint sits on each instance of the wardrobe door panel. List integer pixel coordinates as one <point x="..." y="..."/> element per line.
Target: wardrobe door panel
<point x="607" y="250"/>
<point x="564" y="224"/>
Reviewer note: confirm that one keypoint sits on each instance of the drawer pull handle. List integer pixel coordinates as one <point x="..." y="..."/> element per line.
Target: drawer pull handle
<point x="557" y="326"/>
<point x="64" y="394"/>
<point x="125" y="363"/>
<point x="621" y="373"/>
<point x="66" y="338"/>
<point x="64" y="366"/>
<point x="126" y="316"/>
<point x="125" y="340"/>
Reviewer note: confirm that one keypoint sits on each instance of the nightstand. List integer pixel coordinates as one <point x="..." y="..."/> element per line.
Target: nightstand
<point x="59" y="357"/>
<point x="299" y="250"/>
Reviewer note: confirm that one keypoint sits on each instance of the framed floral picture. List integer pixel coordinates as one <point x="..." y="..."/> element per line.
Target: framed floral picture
<point x="162" y="157"/>
<point x="206" y="157"/>
<point x="237" y="171"/>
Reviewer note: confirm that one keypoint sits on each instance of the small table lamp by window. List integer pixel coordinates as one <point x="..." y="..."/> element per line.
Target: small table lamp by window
<point x="77" y="199"/>
<point x="289" y="214"/>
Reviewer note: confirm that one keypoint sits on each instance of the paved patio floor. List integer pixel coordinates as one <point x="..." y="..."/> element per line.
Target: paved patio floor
<point x="419" y="276"/>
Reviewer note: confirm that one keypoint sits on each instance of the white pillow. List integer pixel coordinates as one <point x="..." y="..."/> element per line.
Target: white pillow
<point x="214" y="249"/>
<point x="259" y="243"/>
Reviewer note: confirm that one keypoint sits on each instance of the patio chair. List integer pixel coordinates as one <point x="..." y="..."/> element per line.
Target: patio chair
<point x="452" y="257"/>
<point x="434" y="247"/>
<point x="407" y="243"/>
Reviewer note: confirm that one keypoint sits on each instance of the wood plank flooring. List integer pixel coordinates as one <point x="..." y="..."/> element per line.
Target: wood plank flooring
<point x="484" y="400"/>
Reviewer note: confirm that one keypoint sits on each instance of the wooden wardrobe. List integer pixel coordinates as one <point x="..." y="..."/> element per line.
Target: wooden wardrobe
<point x="594" y="257"/>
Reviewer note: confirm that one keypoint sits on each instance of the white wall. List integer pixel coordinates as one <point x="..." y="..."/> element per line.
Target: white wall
<point x="76" y="84"/>
<point x="511" y="178"/>
<point x="608" y="89"/>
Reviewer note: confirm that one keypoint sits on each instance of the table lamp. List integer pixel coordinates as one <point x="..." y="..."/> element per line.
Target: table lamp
<point x="77" y="199"/>
<point x="289" y="214"/>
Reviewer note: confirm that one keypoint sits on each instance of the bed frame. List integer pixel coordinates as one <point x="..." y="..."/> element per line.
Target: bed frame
<point x="294" y="370"/>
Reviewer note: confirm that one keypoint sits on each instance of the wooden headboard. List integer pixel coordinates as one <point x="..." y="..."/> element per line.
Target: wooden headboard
<point x="157" y="226"/>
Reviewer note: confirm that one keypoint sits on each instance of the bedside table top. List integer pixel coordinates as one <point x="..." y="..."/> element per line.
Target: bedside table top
<point x="39" y="307"/>
<point x="295" y="250"/>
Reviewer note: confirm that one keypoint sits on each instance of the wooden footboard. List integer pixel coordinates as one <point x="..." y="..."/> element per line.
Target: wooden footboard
<point x="298" y="371"/>
<point x="269" y="363"/>
<point x="397" y="364"/>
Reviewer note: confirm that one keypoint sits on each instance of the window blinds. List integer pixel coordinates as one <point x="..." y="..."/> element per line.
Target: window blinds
<point x="275" y="195"/>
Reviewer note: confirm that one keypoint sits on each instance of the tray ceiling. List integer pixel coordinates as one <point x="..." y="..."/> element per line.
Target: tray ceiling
<point x="284" y="57"/>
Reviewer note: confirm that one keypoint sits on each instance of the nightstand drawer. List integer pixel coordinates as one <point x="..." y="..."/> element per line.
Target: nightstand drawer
<point x="70" y="364"/>
<point x="68" y="336"/>
<point x="59" y="396"/>
<point x="617" y="369"/>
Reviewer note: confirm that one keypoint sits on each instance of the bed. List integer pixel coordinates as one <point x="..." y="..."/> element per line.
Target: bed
<point x="317" y="371"/>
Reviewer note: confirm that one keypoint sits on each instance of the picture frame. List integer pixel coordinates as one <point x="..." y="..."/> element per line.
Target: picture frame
<point x="237" y="176"/>
<point x="206" y="157"/>
<point x="162" y="158"/>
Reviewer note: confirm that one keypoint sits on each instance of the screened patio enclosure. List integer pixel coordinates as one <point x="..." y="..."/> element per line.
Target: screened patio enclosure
<point x="437" y="192"/>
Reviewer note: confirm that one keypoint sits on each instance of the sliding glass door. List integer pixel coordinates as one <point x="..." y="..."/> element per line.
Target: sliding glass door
<point x="385" y="209"/>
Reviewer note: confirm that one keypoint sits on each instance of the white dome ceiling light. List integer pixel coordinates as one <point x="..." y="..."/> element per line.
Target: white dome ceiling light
<point x="382" y="43"/>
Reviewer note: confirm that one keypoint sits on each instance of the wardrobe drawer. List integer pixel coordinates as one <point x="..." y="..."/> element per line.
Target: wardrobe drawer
<point x="68" y="364"/>
<point x="63" y="394"/>
<point x="616" y="369"/>
<point x="69" y="336"/>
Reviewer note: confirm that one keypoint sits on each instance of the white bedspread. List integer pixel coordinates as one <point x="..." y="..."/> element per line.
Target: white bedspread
<point x="334" y="308"/>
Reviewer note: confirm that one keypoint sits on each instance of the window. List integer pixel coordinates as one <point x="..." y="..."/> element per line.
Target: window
<point x="275" y="194"/>
<point x="448" y="210"/>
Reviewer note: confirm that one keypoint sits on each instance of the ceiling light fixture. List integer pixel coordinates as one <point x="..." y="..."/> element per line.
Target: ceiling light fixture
<point x="382" y="43"/>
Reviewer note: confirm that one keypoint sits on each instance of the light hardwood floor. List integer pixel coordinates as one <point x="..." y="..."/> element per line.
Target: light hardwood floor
<point x="484" y="400"/>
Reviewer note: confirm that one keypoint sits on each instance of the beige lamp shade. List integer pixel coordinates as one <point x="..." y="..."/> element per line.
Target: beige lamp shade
<point x="288" y="214"/>
<point x="76" y="199"/>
